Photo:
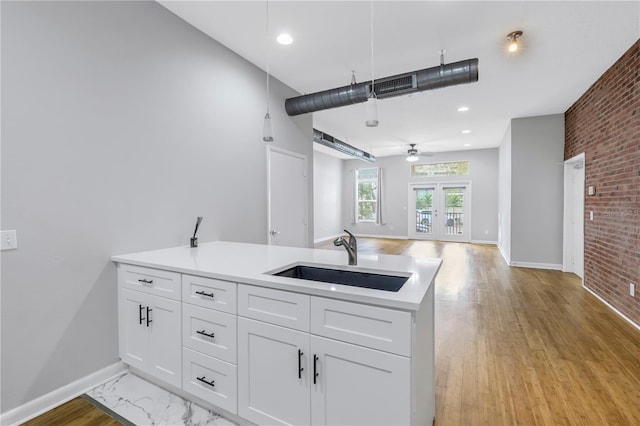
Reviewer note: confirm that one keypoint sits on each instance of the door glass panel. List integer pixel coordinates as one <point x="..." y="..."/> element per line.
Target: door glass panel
<point x="454" y="211"/>
<point x="424" y="210"/>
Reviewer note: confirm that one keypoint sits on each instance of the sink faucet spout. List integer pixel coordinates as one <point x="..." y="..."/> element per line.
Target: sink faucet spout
<point x="351" y="246"/>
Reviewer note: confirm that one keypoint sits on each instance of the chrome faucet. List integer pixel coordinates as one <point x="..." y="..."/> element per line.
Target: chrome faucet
<point x="351" y="247"/>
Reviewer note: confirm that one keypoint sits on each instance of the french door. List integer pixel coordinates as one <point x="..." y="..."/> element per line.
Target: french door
<point x="439" y="211"/>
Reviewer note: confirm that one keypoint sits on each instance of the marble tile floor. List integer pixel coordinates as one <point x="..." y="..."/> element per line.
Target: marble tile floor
<point x="144" y="404"/>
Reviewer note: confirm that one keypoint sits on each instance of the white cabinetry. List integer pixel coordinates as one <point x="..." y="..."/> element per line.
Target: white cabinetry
<point x="273" y="378"/>
<point x="359" y="386"/>
<point x="289" y="376"/>
<point x="209" y="340"/>
<point x="149" y="325"/>
<point x="272" y="356"/>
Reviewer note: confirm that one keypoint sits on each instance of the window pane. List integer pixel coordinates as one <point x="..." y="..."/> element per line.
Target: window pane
<point x="460" y="168"/>
<point x="367" y="194"/>
<point x="366" y="211"/>
<point x="367" y="191"/>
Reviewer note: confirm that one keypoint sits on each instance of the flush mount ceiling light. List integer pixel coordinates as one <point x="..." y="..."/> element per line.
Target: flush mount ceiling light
<point x="513" y="44"/>
<point x="466" y="131"/>
<point x="284" y="39"/>
<point x="267" y="126"/>
<point x="412" y="153"/>
<point x="467" y="144"/>
<point x="372" y="101"/>
<point x="463" y="109"/>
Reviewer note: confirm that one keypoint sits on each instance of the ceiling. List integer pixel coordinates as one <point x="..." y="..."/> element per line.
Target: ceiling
<point x="566" y="46"/>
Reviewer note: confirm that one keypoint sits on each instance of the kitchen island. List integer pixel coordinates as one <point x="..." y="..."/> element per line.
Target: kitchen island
<point x="215" y="324"/>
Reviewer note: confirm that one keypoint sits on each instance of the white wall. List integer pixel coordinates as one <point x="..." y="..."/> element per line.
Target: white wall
<point x="537" y="187"/>
<point x="504" y="196"/>
<point x="483" y="175"/>
<point x="327" y="195"/>
<point x="120" y="124"/>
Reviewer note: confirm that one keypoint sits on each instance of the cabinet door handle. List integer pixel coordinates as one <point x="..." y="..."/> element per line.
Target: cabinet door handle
<point x="315" y="368"/>
<point x="202" y="293"/>
<point x="140" y="309"/>
<point x="144" y="281"/>
<point x="212" y="383"/>
<point x="300" y="368"/>
<point x="204" y="333"/>
<point x="149" y="316"/>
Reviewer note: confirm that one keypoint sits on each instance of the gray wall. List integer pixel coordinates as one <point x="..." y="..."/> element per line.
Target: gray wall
<point x="327" y="195"/>
<point x="537" y="187"/>
<point x="483" y="174"/>
<point x="120" y="125"/>
<point x="504" y="196"/>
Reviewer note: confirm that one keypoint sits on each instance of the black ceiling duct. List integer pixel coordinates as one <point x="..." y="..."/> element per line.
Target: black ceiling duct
<point x="461" y="72"/>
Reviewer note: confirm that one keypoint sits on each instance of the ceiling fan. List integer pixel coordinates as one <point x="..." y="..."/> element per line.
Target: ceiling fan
<point x="413" y="153"/>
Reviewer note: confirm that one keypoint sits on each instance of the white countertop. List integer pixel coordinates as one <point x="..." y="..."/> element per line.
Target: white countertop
<point x="247" y="263"/>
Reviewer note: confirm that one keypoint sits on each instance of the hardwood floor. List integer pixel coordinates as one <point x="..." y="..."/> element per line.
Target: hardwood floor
<point x="76" y="412"/>
<point x="523" y="346"/>
<point x="513" y="345"/>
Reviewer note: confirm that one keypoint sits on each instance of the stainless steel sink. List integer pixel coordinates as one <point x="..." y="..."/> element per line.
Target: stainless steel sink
<point x="337" y="276"/>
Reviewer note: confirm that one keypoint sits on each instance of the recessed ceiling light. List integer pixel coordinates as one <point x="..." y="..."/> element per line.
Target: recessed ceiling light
<point x="467" y="144"/>
<point x="285" y="39"/>
<point x="463" y="109"/>
<point x="466" y="131"/>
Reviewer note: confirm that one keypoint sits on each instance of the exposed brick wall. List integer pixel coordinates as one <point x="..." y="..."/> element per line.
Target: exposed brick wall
<point x="605" y="124"/>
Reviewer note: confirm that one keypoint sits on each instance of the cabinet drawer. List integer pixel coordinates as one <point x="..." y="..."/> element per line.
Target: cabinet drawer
<point x="211" y="332"/>
<point x="213" y="380"/>
<point x="371" y="326"/>
<point x="149" y="280"/>
<point x="274" y="306"/>
<point x="209" y="293"/>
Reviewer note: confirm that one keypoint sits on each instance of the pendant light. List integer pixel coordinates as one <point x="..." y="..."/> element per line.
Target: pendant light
<point x="267" y="127"/>
<point x="372" y="102"/>
<point x="412" y="154"/>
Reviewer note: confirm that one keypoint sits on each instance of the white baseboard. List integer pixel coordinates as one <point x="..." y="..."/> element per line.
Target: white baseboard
<point x="61" y="395"/>
<point x="330" y="237"/>
<point x="391" y="237"/>
<point x="534" y="265"/>
<point x="504" y="255"/>
<point x="488" y="242"/>
<point x="623" y="316"/>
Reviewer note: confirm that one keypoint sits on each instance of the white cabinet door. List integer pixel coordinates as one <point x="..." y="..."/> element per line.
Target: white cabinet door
<point x="133" y="336"/>
<point x="149" y="328"/>
<point x="273" y="374"/>
<point x="358" y="386"/>
<point x="165" y="351"/>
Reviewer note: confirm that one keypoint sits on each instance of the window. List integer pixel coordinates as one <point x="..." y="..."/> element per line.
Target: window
<point x="367" y="194"/>
<point x="460" y="168"/>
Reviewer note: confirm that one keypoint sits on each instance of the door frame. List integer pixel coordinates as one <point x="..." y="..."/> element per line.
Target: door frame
<point x="270" y="150"/>
<point x="437" y="234"/>
<point x="569" y="235"/>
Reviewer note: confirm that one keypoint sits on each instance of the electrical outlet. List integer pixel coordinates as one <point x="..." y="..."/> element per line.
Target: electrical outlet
<point x="632" y="289"/>
<point x="8" y="240"/>
<point x="591" y="215"/>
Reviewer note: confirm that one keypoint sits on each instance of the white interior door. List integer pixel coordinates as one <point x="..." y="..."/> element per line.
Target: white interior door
<point x="440" y="211"/>
<point x="287" y="194"/>
<point x="573" y="235"/>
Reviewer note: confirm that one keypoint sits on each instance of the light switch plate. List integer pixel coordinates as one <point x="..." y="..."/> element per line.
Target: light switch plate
<point x="8" y="240"/>
<point x="632" y="290"/>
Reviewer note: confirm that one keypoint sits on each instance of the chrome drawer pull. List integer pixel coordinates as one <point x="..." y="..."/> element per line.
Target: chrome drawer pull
<point x="204" y="333"/>
<point x="202" y="293"/>
<point x="144" y="281"/>
<point x="212" y="383"/>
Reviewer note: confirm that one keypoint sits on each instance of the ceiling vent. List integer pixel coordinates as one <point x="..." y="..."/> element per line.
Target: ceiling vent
<point x="331" y="142"/>
<point x="461" y="72"/>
